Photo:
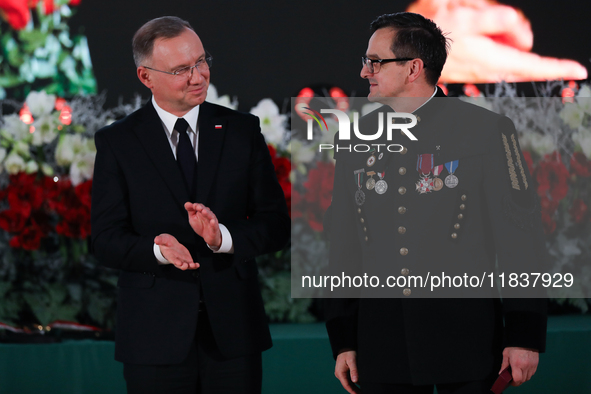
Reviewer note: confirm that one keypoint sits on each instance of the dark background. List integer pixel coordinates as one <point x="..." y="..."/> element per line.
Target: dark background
<point x="273" y="49"/>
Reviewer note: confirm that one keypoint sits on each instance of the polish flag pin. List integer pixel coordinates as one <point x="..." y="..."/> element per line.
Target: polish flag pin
<point x="218" y="126"/>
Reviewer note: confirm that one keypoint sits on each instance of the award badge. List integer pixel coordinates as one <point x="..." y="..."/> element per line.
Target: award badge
<point x="437" y="182"/>
<point x="371" y="160"/>
<point x="370" y="182"/>
<point x="381" y="185"/>
<point x="359" y="195"/>
<point x="451" y="180"/>
<point x="424" y="167"/>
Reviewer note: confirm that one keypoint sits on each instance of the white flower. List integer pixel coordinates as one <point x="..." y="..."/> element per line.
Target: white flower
<point x="40" y="103"/>
<point x="224" y="101"/>
<point x="46" y="169"/>
<point x="583" y="138"/>
<point x="572" y="115"/>
<point x="14" y="163"/>
<point x="82" y="168"/>
<point x="272" y="122"/>
<point x="72" y="146"/>
<point x="542" y="145"/>
<point x="2" y="156"/>
<point x="301" y="153"/>
<point x="585" y="104"/>
<point x="31" y="167"/>
<point x="45" y="130"/>
<point x="584" y="91"/>
<point x="15" y="129"/>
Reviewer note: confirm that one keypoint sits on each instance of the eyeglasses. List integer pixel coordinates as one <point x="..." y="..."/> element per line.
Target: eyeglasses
<point x="373" y="66"/>
<point x="202" y="65"/>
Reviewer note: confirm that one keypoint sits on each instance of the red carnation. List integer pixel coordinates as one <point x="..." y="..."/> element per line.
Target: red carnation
<point x="282" y="168"/>
<point x="579" y="165"/>
<point x="17" y="12"/>
<point x="578" y="210"/>
<point x="319" y="193"/>
<point x="12" y="221"/>
<point x="552" y="177"/>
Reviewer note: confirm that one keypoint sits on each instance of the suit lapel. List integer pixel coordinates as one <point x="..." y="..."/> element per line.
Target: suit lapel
<point x="154" y="141"/>
<point x="212" y="130"/>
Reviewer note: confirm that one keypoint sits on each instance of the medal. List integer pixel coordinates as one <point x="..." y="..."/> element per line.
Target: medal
<point x="370" y="182"/>
<point x="371" y="160"/>
<point x="451" y="180"/>
<point x="381" y="185"/>
<point x="380" y="156"/>
<point x="437" y="182"/>
<point x="424" y="167"/>
<point x="359" y="195"/>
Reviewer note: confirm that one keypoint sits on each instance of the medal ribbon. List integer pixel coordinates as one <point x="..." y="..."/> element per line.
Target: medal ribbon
<point x="452" y="166"/>
<point x="437" y="170"/>
<point x="425" y="163"/>
<point x="359" y="176"/>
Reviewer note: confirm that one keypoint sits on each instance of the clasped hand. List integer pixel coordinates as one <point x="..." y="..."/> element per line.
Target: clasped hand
<point x="204" y="222"/>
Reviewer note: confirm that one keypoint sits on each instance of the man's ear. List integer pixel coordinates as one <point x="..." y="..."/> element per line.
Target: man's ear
<point x="145" y="77"/>
<point x="416" y="69"/>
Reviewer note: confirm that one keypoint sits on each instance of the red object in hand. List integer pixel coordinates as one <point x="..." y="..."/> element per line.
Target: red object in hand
<point x="502" y="381"/>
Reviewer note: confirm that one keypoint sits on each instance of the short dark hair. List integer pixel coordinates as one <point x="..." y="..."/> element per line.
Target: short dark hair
<point x="163" y="27"/>
<point x="416" y="37"/>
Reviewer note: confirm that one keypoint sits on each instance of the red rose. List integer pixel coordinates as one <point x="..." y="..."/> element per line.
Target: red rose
<point x="319" y="185"/>
<point x="12" y="221"/>
<point x="552" y="177"/>
<point x="578" y="210"/>
<point x="83" y="192"/>
<point x="272" y="151"/>
<point x="29" y="239"/>
<point x="529" y="161"/>
<point x="17" y="12"/>
<point x="282" y="168"/>
<point x="579" y="165"/>
<point x="48" y="7"/>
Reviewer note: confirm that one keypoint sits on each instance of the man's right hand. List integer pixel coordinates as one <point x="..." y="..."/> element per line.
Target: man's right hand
<point x="346" y="371"/>
<point x="175" y="252"/>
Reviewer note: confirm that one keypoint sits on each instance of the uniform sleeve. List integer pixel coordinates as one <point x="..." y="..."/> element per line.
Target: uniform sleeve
<point x="517" y="234"/>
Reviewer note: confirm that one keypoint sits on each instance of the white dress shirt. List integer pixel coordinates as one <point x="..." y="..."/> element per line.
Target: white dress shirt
<point x="168" y="121"/>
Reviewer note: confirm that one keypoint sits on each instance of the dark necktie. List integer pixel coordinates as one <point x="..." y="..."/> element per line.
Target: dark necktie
<point x="185" y="154"/>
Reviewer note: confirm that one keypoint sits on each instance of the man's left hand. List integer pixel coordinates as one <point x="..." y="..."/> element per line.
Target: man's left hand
<point x="205" y="224"/>
<point x="524" y="363"/>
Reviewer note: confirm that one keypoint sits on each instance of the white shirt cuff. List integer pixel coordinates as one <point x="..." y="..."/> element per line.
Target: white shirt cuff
<point x="227" y="245"/>
<point x="159" y="256"/>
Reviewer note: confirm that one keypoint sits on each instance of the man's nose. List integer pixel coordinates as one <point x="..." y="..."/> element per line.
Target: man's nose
<point x="196" y="76"/>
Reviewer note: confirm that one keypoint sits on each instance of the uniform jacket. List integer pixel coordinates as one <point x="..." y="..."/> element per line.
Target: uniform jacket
<point x="490" y="217"/>
<point x="139" y="193"/>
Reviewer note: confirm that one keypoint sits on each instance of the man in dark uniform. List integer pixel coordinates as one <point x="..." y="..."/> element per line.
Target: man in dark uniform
<point x="459" y="199"/>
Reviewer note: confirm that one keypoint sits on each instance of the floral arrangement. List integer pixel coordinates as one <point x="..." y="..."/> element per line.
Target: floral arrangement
<point x="38" y="51"/>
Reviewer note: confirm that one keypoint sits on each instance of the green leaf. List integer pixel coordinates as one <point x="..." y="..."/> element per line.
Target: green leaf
<point x="9" y="80"/>
<point x="31" y="39"/>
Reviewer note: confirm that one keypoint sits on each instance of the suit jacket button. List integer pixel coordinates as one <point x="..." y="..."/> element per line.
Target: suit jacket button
<point x="401" y="230"/>
<point x="460" y="216"/>
<point x="404" y="150"/>
<point x="404" y="271"/>
<point x="463" y="206"/>
<point x="406" y="292"/>
<point x="401" y="190"/>
<point x="362" y="220"/>
<point x="402" y="210"/>
<point x="403" y="251"/>
<point x="464" y="197"/>
<point x="402" y="170"/>
<point x="358" y="210"/>
<point x="454" y="235"/>
<point x="457" y="226"/>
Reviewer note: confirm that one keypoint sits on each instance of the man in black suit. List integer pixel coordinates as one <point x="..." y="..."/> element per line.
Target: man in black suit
<point x="414" y="223"/>
<point x="184" y="197"/>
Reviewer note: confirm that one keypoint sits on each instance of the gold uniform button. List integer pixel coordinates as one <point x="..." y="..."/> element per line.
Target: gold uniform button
<point x="358" y="210"/>
<point x="418" y="118"/>
<point x="401" y="230"/>
<point x="406" y="292"/>
<point x="404" y="150"/>
<point x="362" y="220"/>
<point x="366" y="239"/>
<point x="404" y="271"/>
<point x="365" y="229"/>
<point x="454" y="235"/>
<point x="404" y="251"/>
<point x="402" y="170"/>
<point x="457" y="226"/>
<point x="464" y="197"/>
<point x="463" y="206"/>
<point x="401" y="190"/>
<point x="460" y="216"/>
<point x="402" y="210"/>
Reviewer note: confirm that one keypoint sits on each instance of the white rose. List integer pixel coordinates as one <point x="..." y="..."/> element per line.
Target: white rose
<point x="572" y="115"/>
<point x="14" y="163"/>
<point x="301" y="153"/>
<point x="82" y="168"/>
<point x="40" y="103"/>
<point x="45" y="130"/>
<point x="224" y="101"/>
<point x="31" y="167"/>
<point x="15" y="129"/>
<point x="272" y="122"/>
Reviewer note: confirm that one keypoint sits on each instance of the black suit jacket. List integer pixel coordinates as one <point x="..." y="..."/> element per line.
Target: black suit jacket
<point x="138" y="193"/>
<point x="490" y="216"/>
